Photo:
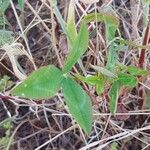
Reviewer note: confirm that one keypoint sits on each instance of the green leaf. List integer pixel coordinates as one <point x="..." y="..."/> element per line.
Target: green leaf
<point x="104" y="71"/>
<point x="92" y="80"/>
<point x="2" y="19"/>
<point x="78" y="49"/>
<point x="54" y="2"/>
<point x="5" y="82"/>
<point x="100" y="86"/>
<point x="80" y="77"/>
<point x="123" y="80"/>
<point x="135" y="71"/>
<point x="145" y="5"/>
<point x="21" y="4"/>
<point x="114" y="146"/>
<point x="79" y="104"/>
<point x="59" y="16"/>
<point x="107" y="16"/>
<point x="43" y="83"/>
<point x="6" y="37"/>
<point x="147" y="98"/>
<point x="71" y="27"/>
<point x="127" y="80"/>
<point x="132" y="43"/>
<point x="7" y="124"/>
<point x="96" y="80"/>
<point x="102" y="16"/>
<point x="113" y="93"/>
<point x="112" y="57"/>
<point x="4" y="5"/>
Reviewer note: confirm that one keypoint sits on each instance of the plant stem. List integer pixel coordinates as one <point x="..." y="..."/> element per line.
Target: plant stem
<point x="145" y="42"/>
<point x="142" y="65"/>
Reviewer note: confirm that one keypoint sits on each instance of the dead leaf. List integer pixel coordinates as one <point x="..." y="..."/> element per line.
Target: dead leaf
<point x="13" y="51"/>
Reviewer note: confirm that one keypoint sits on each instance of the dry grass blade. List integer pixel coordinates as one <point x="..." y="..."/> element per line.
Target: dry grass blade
<point x="13" y="51"/>
<point x="89" y="1"/>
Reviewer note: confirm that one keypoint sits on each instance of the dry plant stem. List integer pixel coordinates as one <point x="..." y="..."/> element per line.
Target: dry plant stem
<point x="70" y="117"/>
<point x="134" y="113"/>
<point x="80" y="7"/>
<point x="5" y="97"/>
<point x="84" y="85"/>
<point x="24" y="37"/>
<point x="30" y="25"/>
<point x="114" y="138"/>
<point x="82" y="16"/>
<point x="120" y="128"/>
<point x="65" y="11"/>
<point x="107" y="3"/>
<point x="147" y="146"/>
<point x="13" y="134"/>
<point x="53" y="32"/>
<point x="7" y="69"/>
<point x="52" y="139"/>
<point x="46" y="117"/>
<point x="35" y="13"/>
<point x="29" y="136"/>
<point x="107" y="123"/>
<point x="135" y="8"/>
<point x="145" y="42"/>
<point x="142" y="65"/>
<point x="97" y="39"/>
<point x="83" y="136"/>
<point x="54" y="37"/>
